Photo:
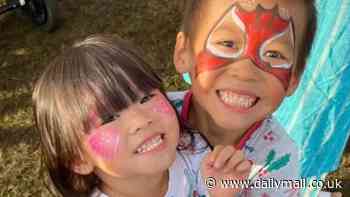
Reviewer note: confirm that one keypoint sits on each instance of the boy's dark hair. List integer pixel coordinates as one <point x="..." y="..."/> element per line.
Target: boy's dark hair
<point x="191" y="7"/>
<point x="101" y="74"/>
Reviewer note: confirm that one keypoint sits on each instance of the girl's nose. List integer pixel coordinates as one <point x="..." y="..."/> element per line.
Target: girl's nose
<point x="139" y="120"/>
<point x="138" y="129"/>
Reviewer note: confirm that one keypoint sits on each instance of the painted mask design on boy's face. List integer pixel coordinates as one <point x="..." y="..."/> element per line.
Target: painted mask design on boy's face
<point x="241" y="34"/>
<point x="104" y="141"/>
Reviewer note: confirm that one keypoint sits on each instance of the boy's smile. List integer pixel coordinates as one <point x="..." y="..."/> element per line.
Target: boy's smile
<point x="239" y="100"/>
<point x="241" y="57"/>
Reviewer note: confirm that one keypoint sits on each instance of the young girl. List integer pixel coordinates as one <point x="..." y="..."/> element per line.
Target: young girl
<point x="107" y="130"/>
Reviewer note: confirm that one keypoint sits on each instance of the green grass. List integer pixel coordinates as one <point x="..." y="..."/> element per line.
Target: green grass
<point x="26" y="50"/>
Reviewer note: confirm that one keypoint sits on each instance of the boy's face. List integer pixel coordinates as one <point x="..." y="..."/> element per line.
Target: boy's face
<point x="242" y="58"/>
<point x="139" y="141"/>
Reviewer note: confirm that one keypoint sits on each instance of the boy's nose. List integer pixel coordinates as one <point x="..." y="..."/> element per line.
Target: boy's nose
<point x="244" y="70"/>
<point x="139" y="121"/>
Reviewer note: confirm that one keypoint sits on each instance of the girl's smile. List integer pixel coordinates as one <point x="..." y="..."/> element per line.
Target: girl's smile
<point x="152" y="144"/>
<point x="144" y="134"/>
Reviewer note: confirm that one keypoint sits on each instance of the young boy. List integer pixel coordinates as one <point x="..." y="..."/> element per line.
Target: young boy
<point x="244" y="57"/>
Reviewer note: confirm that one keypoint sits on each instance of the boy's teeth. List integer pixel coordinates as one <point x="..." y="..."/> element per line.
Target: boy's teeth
<point x="248" y="5"/>
<point x="237" y="100"/>
<point x="150" y="145"/>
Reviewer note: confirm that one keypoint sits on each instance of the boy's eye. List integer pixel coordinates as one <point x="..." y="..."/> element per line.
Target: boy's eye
<point x="228" y="44"/>
<point x="146" y="98"/>
<point x="274" y="54"/>
<point x="109" y="118"/>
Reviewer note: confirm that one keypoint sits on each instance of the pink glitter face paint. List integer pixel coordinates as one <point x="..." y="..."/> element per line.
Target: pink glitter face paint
<point x="260" y="27"/>
<point x="161" y="105"/>
<point x="104" y="141"/>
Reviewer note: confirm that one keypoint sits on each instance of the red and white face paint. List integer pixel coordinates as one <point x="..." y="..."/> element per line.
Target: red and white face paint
<point x="255" y="30"/>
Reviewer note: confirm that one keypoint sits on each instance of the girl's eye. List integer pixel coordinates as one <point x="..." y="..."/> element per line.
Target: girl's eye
<point x="109" y="118"/>
<point x="228" y="44"/>
<point x="274" y="54"/>
<point x="147" y="98"/>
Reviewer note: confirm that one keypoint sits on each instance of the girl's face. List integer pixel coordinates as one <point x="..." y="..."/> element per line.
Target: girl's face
<point x="140" y="140"/>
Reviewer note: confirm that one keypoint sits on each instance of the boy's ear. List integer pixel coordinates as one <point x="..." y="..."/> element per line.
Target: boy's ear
<point x="182" y="56"/>
<point x="82" y="167"/>
<point x="293" y="84"/>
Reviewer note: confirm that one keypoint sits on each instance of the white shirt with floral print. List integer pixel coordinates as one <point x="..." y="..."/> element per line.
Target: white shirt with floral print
<point x="268" y="146"/>
<point x="184" y="176"/>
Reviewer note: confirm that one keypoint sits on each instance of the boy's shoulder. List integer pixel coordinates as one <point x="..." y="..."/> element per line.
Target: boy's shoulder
<point x="272" y="133"/>
<point x="271" y="148"/>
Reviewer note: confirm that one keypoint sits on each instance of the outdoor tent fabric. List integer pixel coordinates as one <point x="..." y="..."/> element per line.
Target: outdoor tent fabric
<point x="317" y="116"/>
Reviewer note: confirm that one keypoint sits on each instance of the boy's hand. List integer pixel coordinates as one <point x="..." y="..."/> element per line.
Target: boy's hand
<point x="224" y="163"/>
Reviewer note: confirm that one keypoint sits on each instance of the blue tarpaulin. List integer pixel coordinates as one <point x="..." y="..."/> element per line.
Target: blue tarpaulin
<point x="317" y="116"/>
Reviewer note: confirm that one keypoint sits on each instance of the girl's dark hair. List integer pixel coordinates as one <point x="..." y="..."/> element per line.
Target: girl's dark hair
<point x="101" y="74"/>
<point x="191" y="8"/>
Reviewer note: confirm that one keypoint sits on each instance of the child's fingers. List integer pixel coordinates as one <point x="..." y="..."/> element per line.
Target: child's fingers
<point x="235" y="159"/>
<point x="215" y="153"/>
<point x="209" y="159"/>
<point x="206" y="162"/>
<point x="244" y="166"/>
<point x="224" y="156"/>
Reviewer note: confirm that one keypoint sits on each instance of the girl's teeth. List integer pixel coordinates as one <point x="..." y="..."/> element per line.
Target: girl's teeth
<point x="150" y="145"/>
<point x="236" y="100"/>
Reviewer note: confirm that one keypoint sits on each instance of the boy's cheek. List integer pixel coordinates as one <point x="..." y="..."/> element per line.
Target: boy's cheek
<point x="283" y="75"/>
<point x="206" y="80"/>
<point x="207" y="62"/>
<point x="206" y="69"/>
